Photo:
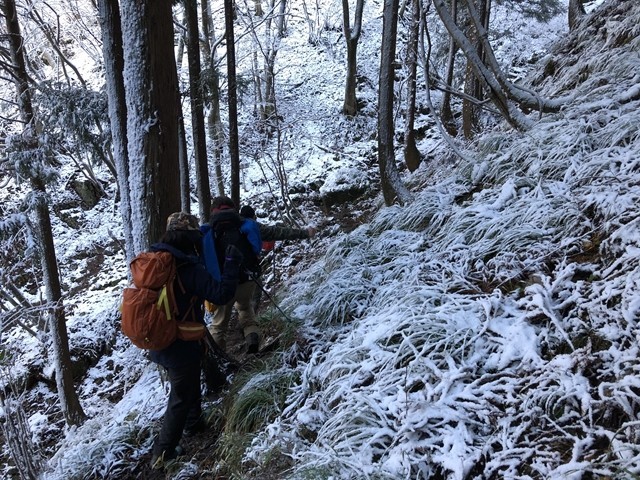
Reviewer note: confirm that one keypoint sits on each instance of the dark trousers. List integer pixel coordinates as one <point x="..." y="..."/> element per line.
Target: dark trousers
<point x="183" y="407"/>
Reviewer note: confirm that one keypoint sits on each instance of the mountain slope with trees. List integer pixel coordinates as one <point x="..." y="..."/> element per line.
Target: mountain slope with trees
<point x="487" y="328"/>
<point x="493" y="330"/>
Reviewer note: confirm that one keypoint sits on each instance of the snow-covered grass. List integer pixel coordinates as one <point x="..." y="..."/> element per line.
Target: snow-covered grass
<point x="487" y="330"/>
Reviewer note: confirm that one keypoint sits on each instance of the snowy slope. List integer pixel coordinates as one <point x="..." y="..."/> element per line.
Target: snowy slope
<point x="488" y="330"/>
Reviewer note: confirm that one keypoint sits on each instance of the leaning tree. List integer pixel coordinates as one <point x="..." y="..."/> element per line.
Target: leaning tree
<point x="29" y="157"/>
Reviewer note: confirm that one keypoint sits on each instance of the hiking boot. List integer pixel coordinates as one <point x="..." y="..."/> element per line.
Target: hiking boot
<point x="160" y="460"/>
<point x="253" y="343"/>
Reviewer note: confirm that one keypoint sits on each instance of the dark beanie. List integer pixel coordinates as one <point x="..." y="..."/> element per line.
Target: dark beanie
<point x="221" y="203"/>
<point x="247" y="212"/>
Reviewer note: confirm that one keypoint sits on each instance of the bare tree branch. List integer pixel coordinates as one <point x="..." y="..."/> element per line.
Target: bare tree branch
<point x="487" y="79"/>
<point x="523" y="96"/>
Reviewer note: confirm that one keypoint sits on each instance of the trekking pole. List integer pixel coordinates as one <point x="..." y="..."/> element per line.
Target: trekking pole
<point x="215" y="351"/>
<point x="259" y="284"/>
<point x="217" y="366"/>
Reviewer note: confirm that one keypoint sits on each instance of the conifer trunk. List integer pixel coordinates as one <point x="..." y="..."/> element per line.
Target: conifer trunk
<point x="109" y="16"/>
<point x="203" y="189"/>
<point x="151" y="92"/>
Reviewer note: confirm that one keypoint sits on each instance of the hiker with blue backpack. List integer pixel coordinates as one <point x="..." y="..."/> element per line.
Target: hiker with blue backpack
<point x="182" y="358"/>
<point x="226" y="227"/>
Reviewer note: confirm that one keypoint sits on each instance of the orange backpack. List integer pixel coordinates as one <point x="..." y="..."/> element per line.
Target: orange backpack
<point x="149" y="309"/>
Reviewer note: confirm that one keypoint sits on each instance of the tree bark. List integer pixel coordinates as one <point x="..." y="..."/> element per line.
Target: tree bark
<point x="109" y="16"/>
<point x="69" y="402"/>
<point x="393" y="189"/>
<point x="214" y="121"/>
<point x="203" y="189"/>
<point x="411" y="153"/>
<point x="282" y="19"/>
<point x="258" y="8"/>
<point x="472" y="86"/>
<point x="575" y="13"/>
<point x="352" y="37"/>
<point x="270" y="65"/>
<point x="234" y="152"/>
<point x="183" y="166"/>
<point x="446" y="114"/>
<point x="151" y="93"/>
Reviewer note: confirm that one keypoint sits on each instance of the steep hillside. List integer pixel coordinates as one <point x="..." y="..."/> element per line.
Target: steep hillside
<point x="489" y="329"/>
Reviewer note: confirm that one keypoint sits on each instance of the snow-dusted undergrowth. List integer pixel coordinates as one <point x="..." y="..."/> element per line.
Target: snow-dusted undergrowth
<point x="490" y="328"/>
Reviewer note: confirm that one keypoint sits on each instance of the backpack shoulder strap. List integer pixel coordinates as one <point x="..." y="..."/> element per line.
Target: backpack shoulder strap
<point x="171" y="296"/>
<point x="183" y="290"/>
<point x="209" y="255"/>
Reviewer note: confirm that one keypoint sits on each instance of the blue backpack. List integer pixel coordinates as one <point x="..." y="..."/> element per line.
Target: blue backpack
<point x="225" y="228"/>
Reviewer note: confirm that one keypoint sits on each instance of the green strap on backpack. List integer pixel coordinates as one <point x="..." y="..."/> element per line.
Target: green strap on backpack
<point x="163" y="300"/>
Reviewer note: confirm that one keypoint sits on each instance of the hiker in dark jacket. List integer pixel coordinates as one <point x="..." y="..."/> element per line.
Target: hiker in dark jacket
<point x="268" y="235"/>
<point x="182" y="359"/>
<point x="226" y="225"/>
<point x="271" y="233"/>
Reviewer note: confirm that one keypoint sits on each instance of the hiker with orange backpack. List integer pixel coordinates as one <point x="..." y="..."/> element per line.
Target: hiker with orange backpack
<point x="181" y="359"/>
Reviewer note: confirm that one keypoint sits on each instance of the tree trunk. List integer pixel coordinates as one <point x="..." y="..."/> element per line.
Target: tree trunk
<point x="258" y="8"/>
<point x="71" y="408"/>
<point x="445" y="110"/>
<point x="151" y="92"/>
<point x="183" y="166"/>
<point x="109" y="15"/>
<point x="270" y="65"/>
<point x="214" y="122"/>
<point x="234" y="152"/>
<point x="472" y="86"/>
<point x="282" y="19"/>
<point x="575" y="14"/>
<point x="411" y="153"/>
<point x="489" y="82"/>
<point x="69" y="402"/>
<point x="216" y="131"/>
<point x="469" y="111"/>
<point x="392" y="187"/>
<point x="203" y="188"/>
<point x="350" y="106"/>
<point x="493" y="80"/>
<point x="352" y="36"/>
<point x="313" y="23"/>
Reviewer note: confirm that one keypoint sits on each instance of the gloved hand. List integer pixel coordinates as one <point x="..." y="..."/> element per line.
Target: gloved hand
<point x="233" y="254"/>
